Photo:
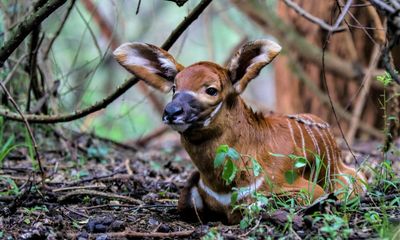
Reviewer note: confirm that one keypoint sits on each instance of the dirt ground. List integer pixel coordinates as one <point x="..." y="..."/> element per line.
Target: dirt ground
<point x="97" y="189"/>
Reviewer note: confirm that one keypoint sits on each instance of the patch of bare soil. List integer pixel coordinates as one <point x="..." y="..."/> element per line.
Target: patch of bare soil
<point x="97" y="189"/>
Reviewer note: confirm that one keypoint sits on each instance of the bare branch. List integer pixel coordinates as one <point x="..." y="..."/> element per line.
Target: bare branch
<point x="28" y="128"/>
<point x="185" y="23"/>
<point x="312" y="18"/>
<point x="345" y="9"/>
<point x="24" y="28"/>
<point x="60" y="28"/>
<point x="270" y="23"/>
<point x="359" y="106"/>
<point x="120" y="90"/>
<point x="180" y="3"/>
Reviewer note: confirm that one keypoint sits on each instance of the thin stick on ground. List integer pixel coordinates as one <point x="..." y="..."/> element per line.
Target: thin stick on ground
<point x="28" y="128"/>
<point x="133" y="234"/>
<point x="120" y="89"/>
<point x="98" y="194"/>
<point x="146" y="139"/>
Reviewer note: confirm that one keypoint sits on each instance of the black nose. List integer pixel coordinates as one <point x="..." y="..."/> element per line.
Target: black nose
<point x="172" y="111"/>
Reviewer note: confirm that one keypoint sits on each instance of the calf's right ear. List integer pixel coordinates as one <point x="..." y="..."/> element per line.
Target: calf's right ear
<point x="151" y="64"/>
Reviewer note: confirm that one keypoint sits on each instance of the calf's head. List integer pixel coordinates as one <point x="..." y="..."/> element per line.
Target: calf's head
<point x="200" y="90"/>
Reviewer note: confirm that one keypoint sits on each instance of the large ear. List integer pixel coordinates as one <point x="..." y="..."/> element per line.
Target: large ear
<point x="249" y="60"/>
<point x="152" y="64"/>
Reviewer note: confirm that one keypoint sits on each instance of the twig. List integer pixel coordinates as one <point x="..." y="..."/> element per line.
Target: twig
<point x="108" y="33"/>
<point x="119" y="91"/>
<point x="99" y="194"/>
<point x="60" y="28"/>
<point x="185" y="23"/>
<point x="136" y="207"/>
<point x="104" y="27"/>
<point x="133" y="234"/>
<point x="128" y="168"/>
<point x="270" y="23"/>
<point x="180" y="3"/>
<point x="195" y="210"/>
<point x="156" y="133"/>
<point x="76" y="212"/>
<point x="94" y="178"/>
<point x="359" y="106"/>
<point x="34" y="45"/>
<point x="340" y="19"/>
<point x="323" y="75"/>
<point x="13" y="70"/>
<point x="138" y="7"/>
<point x="35" y="147"/>
<point x="312" y="18"/>
<point x="297" y="69"/>
<point x="379" y="33"/>
<point x="77" y="187"/>
<point x="24" y="28"/>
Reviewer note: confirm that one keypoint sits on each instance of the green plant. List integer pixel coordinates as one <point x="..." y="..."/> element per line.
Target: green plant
<point x="333" y="226"/>
<point x="212" y="234"/>
<point x="225" y="156"/>
<point x="299" y="162"/>
<point x="12" y="187"/>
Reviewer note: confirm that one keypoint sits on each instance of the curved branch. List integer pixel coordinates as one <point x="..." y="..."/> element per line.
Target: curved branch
<point x="270" y="23"/>
<point x="120" y="90"/>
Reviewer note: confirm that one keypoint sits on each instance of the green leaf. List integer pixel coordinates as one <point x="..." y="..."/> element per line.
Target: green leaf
<point x="256" y="167"/>
<point x="244" y="223"/>
<point x="300" y="162"/>
<point x="233" y="154"/>
<point x="222" y="148"/>
<point x="234" y="197"/>
<point x="263" y="200"/>
<point x="219" y="159"/>
<point x="229" y="172"/>
<point x="290" y="176"/>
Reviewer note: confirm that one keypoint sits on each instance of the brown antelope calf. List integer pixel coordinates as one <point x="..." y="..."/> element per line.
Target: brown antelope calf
<point x="207" y="110"/>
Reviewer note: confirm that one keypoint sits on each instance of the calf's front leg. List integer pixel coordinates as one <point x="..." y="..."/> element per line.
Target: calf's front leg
<point x="191" y="206"/>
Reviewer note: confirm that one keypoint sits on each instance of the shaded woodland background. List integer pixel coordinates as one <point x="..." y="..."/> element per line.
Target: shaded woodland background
<point x="65" y="64"/>
<point x="96" y="126"/>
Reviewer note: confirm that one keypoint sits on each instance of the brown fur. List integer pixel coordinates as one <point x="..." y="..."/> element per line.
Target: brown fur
<point x="252" y="134"/>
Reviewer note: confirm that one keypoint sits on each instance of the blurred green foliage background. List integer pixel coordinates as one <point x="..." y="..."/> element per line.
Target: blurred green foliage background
<point x="81" y="57"/>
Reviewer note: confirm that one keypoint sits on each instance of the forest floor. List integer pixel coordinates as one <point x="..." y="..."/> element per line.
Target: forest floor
<point x="97" y="189"/>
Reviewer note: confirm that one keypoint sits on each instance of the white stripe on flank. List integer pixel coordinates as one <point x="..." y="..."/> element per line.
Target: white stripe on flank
<point x="311" y="134"/>
<point x="328" y="167"/>
<point x="291" y="132"/>
<point x="225" y="198"/>
<point x="302" y="139"/>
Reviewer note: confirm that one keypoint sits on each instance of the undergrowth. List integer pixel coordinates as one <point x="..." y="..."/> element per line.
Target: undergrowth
<point x="334" y="219"/>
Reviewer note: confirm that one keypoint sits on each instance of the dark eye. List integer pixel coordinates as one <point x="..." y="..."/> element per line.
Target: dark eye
<point x="173" y="89"/>
<point x="211" y="91"/>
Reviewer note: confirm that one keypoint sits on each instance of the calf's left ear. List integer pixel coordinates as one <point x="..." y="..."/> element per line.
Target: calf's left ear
<point x="249" y="60"/>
